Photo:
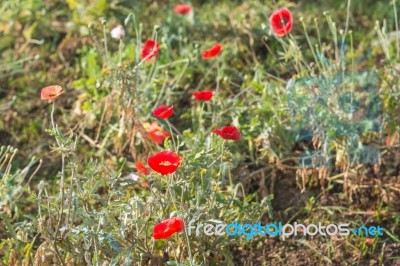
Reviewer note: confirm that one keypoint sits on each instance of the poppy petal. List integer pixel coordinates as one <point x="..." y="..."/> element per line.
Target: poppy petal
<point x="281" y="22"/>
<point x="158" y="136"/>
<point x="228" y="133"/>
<point x="51" y="92"/>
<point x="149" y="50"/>
<point x="156" y="133"/>
<point x="183" y="9"/>
<point x="168" y="227"/>
<point x="203" y="95"/>
<point x="141" y="168"/>
<point x="163" y="111"/>
<point x="165" y="162"/>
<point x="212" y="52"/>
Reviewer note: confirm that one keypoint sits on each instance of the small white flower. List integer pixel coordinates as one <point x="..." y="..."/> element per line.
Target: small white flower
<point x="118" y="32"/>
<point x="131" y="176"/>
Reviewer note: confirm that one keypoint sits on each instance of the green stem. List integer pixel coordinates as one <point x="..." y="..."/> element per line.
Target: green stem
<point x="170" y="182"/>
<point x="105" y="43"/>
<point x="397" y="29"/>
<point x="201" y="116"/>
<point x="120" y="51"/>
<point x="60" y="214"/>
<point x="222" y="156"/>
<point x="172" y="136"/>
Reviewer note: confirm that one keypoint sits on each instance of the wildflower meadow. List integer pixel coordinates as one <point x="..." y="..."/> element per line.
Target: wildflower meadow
<point x="199" y="132"/>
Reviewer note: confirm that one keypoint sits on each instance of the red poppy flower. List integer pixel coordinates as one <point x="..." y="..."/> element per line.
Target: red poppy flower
<point x="163" y="111"/>
<point x="151" y="127"/>
<point x="149" y="50"/>
<point x="51" y="92"/>
<point x="203" y="95"/>
<point x="183" y="9"/>
<point x="165" y="162"/>
<point x="168" y="227"/>
<point x="141" y="168"/>
<point x="212" y="52"/>
<point x="229" y="132"/>
<point x="156" y="133"/>
<point x="281" y="21"/>
<point x="158" y="136"/>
